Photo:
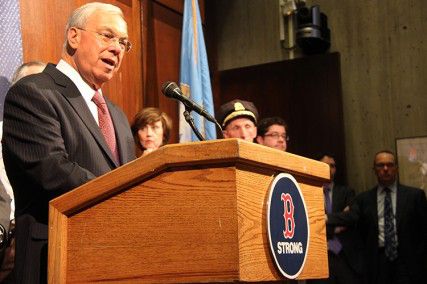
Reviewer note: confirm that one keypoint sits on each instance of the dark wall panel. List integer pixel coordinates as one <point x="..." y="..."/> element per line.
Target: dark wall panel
<point x="306" y="92"/>
<point x="162" y="53"/>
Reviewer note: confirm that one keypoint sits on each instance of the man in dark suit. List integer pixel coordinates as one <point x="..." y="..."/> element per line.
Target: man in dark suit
<point x="60" y="132"/>
<point x="344" y="257"/>
<point x="392" y="219"/>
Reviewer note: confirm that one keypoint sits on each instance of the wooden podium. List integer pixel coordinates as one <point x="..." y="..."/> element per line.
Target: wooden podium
<point x="193" y="212"/>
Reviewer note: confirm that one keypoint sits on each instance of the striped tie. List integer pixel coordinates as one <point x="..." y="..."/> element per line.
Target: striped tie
<point x="390" y="241"/>
<point x="106" y="124"/>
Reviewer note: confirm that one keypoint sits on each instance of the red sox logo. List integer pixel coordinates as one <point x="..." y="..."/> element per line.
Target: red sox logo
<point x="288" y="215"/>
<point x="288" y="225"/>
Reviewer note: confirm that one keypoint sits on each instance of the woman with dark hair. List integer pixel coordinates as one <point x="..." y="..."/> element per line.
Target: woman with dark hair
<point x="151" y="129"/>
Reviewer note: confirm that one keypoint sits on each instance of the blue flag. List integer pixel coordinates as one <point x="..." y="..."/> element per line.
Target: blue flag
<point x="195" y="82"/>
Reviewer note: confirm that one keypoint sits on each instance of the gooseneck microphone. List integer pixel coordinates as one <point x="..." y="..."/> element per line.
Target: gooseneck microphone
<point x="171" y="90"/>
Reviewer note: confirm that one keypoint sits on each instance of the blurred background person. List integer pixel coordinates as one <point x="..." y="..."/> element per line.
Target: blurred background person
<point x="151" y="129"/>
<point x="345" y="260"/>
<point x="392" y="220"/>
<point x="238" y="119"/>
<point x="272" y="132"/>
<point x="28" y="68"/>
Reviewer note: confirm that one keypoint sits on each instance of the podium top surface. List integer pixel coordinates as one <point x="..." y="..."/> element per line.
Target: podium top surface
<point x="190" y="155"/>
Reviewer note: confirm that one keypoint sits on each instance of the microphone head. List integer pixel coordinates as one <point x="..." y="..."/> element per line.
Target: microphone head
<point x="168" y="89"/>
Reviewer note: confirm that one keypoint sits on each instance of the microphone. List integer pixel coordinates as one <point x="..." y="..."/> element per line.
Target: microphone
<point x="171" y="90"/>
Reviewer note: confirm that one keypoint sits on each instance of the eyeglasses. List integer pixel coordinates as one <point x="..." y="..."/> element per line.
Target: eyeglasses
<point x="382" y="165"/>
<point x="277" y="135"/>
<point x="110" y="38"/>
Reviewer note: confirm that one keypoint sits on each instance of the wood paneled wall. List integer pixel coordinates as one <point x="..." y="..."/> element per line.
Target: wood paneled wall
<point x="162" y="25"/>
<point x="43" y="30"/>
<point x="154" y="28"/>
<point x="162" y="40"/>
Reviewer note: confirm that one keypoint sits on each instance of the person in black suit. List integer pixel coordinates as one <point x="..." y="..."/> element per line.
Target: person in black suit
<point x="344" y="257"/>
<point x="58" y="131"/>
<point x="392" y="219"/>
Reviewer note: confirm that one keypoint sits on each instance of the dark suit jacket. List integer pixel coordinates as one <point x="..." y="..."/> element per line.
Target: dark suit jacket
<point x="342" y="197"/>
<point x="411" y="221"/>
<point x="52" y="144"/>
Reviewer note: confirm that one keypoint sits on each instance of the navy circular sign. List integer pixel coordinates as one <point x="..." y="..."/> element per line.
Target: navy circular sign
<point x="288" y="227"/>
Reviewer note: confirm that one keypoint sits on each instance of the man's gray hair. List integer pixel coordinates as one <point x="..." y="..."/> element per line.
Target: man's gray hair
<point x="80" y="15"/>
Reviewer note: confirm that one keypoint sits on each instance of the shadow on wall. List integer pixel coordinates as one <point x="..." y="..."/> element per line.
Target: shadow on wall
<point x="4" y="87"/>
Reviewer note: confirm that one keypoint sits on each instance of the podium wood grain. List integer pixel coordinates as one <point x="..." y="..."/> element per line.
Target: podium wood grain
<point x="190" y="212"/>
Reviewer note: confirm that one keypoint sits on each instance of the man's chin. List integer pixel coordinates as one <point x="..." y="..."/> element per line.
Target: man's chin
<point x="104" y="78"/>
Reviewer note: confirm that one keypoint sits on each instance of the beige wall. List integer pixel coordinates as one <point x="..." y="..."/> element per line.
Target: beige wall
<point x="247" y="32"/>
<point x="383" y="46"/>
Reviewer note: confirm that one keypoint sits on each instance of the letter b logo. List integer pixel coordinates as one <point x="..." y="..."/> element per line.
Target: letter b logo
<point x="288" y="215"/>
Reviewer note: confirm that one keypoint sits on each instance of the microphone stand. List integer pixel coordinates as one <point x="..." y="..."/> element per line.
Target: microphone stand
<point x="190" y="121"/>
<point x="219" y="128"/>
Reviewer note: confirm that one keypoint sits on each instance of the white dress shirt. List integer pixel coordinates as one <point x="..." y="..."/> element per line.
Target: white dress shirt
<point x="86" y="90"/>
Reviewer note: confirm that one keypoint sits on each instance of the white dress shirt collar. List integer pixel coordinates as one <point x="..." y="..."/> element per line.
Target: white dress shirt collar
<point x="84" y="88"/>
<point x="393" y="188"/>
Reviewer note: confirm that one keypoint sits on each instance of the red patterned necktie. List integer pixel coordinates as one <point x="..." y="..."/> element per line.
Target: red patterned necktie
<point x="106" y="124"/>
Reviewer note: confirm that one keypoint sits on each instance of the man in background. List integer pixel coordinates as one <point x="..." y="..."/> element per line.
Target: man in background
<point x="238" y="119"/>
<point x="60" y="131"/>
<point x="344" y="256"/>
<point x="28" y="68"/>
<point x="272" y="132"/>
<point x="392" y="219"/>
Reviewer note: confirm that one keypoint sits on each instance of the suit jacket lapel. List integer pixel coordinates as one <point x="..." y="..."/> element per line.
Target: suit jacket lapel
<point x="400" y="204"/>
<point x="373" y="198"/>
<point x="73" y="96"/>
<point x="336" y="199"/>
